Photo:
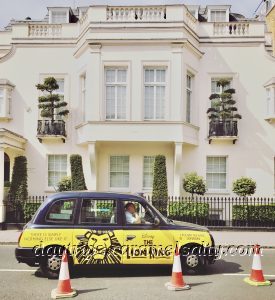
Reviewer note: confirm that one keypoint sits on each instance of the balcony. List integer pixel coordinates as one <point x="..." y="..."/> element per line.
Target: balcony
<point x="51" y="130"/>
<point x="223" y="130"/>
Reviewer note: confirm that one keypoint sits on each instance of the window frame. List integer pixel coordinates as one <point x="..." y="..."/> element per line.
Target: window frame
<point x="51" y="188"/>
<point x="155" y="84"/>
<point x="216" y="10"/>
<point x="61" y="221"/>
<point x="116" y="84"/>
<point x="218" y="190"/>
<point x="126" y="189"/>
<point x="59" y="10"/>
<point x="189" y="90"/>
<point x="99" y="224"/>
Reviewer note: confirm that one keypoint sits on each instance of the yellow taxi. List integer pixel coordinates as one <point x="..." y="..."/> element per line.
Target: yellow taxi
<point x="109" y="228"/>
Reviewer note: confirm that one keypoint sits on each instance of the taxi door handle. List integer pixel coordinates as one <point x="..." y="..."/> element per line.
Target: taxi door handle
<point x="130" y="237"/>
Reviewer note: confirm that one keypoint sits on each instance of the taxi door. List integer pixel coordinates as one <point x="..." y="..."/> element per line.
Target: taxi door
<point x="98" y="236"/>
<point x="146" y="243"/>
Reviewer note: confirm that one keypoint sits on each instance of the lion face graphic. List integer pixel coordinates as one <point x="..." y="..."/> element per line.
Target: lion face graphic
<point x="99" y="247"/>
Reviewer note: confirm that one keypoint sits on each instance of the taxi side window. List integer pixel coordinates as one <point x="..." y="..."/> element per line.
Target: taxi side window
<point x="98" y="211"/>
<point x="137" y="213"/>
<point x="61" y="211"/>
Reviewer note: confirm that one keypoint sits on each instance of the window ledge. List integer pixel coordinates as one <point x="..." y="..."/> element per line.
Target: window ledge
<point x="218" y="192"/>
<point x="5" y="118"/>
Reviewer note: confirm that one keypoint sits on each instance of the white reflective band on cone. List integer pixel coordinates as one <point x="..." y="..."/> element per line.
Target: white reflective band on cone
<point x="176" y="265"/>
<point x="256" y="262"/>
<point x="64" y="271"/>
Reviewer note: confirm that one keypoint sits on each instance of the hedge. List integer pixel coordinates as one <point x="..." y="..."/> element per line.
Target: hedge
<point x="188" y="209"/>
<point x="29" y="210"/>
<point x="259" y="213"/>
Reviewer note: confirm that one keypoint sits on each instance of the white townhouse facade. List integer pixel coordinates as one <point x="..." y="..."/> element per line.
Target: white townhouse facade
<point x="137" y="81"/>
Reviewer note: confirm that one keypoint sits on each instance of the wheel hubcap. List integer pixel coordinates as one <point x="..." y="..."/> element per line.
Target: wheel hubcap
<point x="192" y="261"/>
<point x="54" y="263"/>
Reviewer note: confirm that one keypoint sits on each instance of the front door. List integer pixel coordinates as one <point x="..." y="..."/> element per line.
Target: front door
<point x="98" y="236"/>
<point x="144" y="242"/>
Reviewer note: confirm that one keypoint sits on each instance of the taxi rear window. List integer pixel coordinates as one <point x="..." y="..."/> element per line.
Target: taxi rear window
<point x="61" y="211"/>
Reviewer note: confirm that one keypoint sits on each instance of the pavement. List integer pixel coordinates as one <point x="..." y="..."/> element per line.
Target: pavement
<point x="221" y="281"/>
<point x="224" y="238"/>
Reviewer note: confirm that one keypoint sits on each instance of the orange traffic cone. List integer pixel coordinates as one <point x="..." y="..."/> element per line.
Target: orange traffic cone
<point x="257" y="277"/>
<point x="177" y="283"/>
<point x="64" y="289"/>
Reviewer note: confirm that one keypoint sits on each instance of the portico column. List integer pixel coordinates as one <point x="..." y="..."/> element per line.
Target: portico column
<point x="93" y="166"/>
<point x="2" y="207"/>
<point x="177" y="168"/>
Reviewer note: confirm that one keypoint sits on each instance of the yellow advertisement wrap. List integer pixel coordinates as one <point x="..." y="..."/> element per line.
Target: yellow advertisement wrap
<point x="93" y="246"/>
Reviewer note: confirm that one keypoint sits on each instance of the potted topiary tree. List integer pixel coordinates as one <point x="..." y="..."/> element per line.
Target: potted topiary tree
<point x="51" y="106"/>
<point x="160" y="187"/>
<point x="194" y="184"/>
<point x="65" y="184"/>
<point x="223" y="112"/>
<point x="243" y="187"/>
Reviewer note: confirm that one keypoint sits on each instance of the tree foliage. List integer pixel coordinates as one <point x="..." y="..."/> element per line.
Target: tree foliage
<point x="19" y="181"/>
<point x="244" y="186"/>
<point x="65" y="184"/>
<point x="194" y="184"/>
<point x="78" y="180"/>
<point x="160" y="187"/>
<point x="223" y="105"/>
<point x="51" y="104"/>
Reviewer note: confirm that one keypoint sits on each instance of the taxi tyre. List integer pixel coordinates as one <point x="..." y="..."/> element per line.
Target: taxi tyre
<point x="191" y="259"/>
<point x="50" y="263"/>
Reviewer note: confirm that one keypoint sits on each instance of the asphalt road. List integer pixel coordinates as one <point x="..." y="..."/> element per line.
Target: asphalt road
<point x="223" y="280"/>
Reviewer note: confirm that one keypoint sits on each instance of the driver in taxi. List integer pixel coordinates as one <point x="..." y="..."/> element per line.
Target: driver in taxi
<point x="131" y="215"/>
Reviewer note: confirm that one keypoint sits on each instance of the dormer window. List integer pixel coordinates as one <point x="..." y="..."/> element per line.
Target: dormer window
<point x="218" y="16"/>
<point x="218" y="13"/>
<point x="59" y="15"/>
<point x="6" y="89"/>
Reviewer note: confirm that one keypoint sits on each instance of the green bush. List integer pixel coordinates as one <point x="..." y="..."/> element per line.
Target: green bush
<point x="160" y="189"/>
<point x="258" y="213"/>
<point x="194" y="184"/>
<point x="65" y="184"/>
<point x="7" y="184"/>
<point x="19" y="181"/>
<point x="29" y="210"/>
<point x="244" y="186"/>
<point x="78" y="180"/>
<point x="188" y="209"/>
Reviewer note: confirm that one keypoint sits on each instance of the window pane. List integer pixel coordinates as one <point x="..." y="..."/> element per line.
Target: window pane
<point x="160" y="102"/>
<point x="57" y="169"/>
<point x="119" y="171"/>
<point x="121" y="76"/>
<point x="61" y="210"/>
<point x="110" y="75"/>
<point x="216" y="172"/>
<point x="102" y="211"/>
<point x="149" y="102"/>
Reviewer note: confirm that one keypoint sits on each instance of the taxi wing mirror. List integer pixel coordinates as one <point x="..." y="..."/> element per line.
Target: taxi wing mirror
<point x="156" y="221"/>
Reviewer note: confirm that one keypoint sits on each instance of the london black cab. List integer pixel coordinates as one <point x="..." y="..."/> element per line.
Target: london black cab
<point x="109" y="228"/>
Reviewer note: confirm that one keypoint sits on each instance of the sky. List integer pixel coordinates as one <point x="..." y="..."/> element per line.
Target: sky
<point x="37" y="9"/>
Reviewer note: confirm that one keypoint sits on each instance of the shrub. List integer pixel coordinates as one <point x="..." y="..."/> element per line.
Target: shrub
<point x="244" y="186"/>
<point x="29" y="210"/>
<point x="253" y="213"/>
<point x="194" y="184"/>
<point x="181" y="209"/>
<point x="160" y="189"/>
<point x="78" y="180"/>
<point x="19" y="184"/>
<point x="65" y="184"/>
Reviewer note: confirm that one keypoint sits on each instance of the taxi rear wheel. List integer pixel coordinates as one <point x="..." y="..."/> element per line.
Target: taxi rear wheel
<point x="191" y="258"/>
<point x="50" y="264"/>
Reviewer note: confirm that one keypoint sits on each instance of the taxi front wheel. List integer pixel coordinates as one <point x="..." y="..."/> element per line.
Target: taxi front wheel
<point x="191" y="258"/>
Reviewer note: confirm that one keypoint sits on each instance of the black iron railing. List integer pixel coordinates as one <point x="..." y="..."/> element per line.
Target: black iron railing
<point x="51" y="127"/>
<point x="223" y="128"/>
<point x="222" y="211"/>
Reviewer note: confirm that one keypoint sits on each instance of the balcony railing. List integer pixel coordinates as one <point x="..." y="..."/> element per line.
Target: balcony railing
<point x="138" y="14"/>
<point x="51" y="128"/>
<point x="45" y="30"/>
<point x="231" y="29"/>
<point x="223" y="128"/>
